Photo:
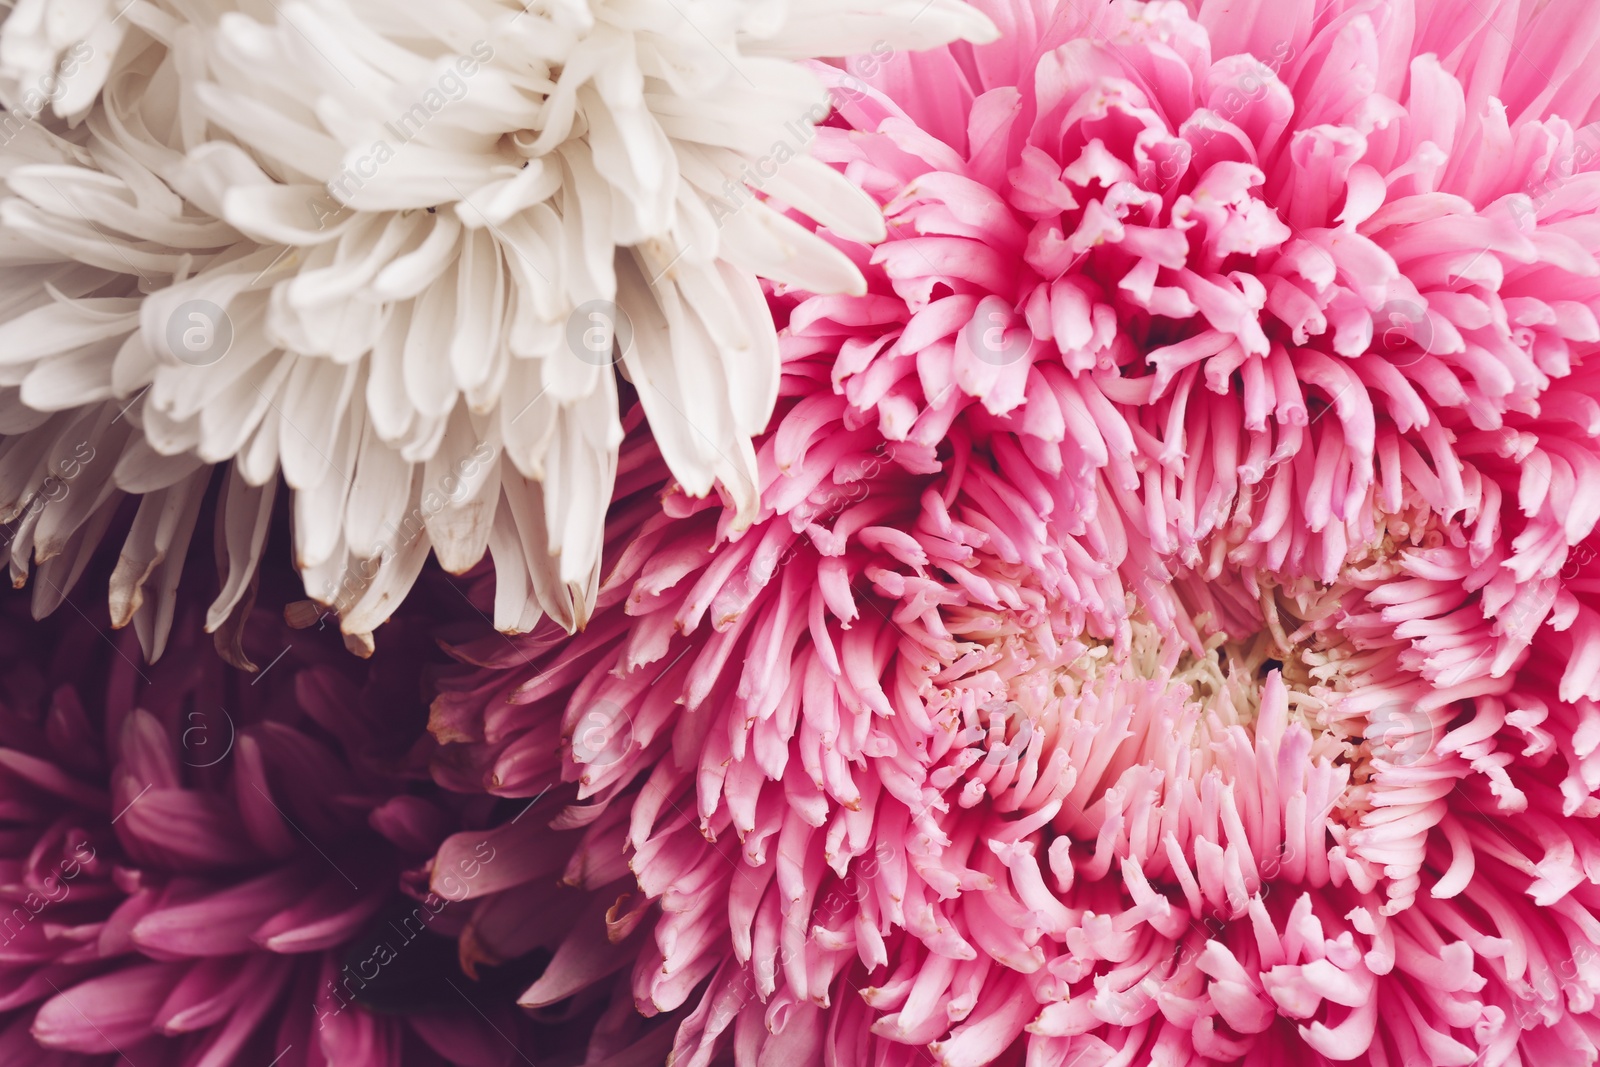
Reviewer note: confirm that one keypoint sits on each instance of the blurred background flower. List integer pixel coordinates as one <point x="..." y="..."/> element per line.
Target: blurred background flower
<point x="203" y="867"/>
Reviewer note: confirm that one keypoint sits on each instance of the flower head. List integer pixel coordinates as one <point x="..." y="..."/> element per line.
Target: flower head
<point x="399" y="258"/>
<point x="198" y="868"/>
<point x="1168" y="576"/>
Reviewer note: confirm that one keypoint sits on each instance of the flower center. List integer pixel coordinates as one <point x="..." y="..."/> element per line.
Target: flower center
<point x="1135" y="748"/>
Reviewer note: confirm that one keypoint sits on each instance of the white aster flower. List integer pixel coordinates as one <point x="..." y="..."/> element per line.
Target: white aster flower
<point x="394" y="250"/>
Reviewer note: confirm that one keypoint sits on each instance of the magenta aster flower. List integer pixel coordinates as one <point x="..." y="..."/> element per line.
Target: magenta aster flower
<point x="1169" y="635"/>
<point x="203" y="868"/>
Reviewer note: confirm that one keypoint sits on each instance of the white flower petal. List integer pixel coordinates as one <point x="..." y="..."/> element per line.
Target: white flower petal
<point x="380" y="489"/>
<point x="313" y="402"/>
<point x="774" y="246"/>
<point x="141" y="469"/>
<point x="246" y="512"/>
<point x="461" y="486"/>
<point x="399" y="218"/>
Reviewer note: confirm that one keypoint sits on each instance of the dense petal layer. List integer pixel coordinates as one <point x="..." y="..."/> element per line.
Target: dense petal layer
<point x="1171" y="576"/>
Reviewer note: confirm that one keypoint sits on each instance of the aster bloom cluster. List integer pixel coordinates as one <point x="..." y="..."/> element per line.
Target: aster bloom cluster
<point x="199" y="869"/>
<point x="1168" y="635"/>
<point x="385" y="253"/>
<point x="1082" y="556"/>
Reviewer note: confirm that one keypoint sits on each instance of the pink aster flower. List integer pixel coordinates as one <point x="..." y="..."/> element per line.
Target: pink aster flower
<point x="1169" y="635"/>
<point x="203" y="868"/>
